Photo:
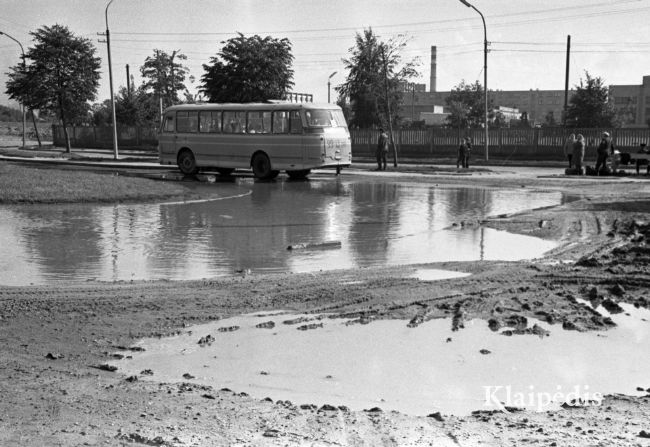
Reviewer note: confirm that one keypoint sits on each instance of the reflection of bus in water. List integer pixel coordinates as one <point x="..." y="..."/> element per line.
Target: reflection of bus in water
<point x="269" y="138"/>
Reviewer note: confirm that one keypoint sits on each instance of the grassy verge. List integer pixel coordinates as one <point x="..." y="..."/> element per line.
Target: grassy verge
<point x="22" y="184"/>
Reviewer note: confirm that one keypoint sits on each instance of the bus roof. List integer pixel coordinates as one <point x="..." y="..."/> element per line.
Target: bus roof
<point x="255" y="106"/>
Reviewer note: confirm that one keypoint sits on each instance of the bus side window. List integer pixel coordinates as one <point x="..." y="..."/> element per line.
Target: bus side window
<point x="216" y="121"/>
<point x="280" y="122"/>
<point x="266" y="122"/>
<point x="259" y="122"/>
<point x="296" y="121"/>
<point x="210" y="121"/>
<point x="169" y="123"/>
<point x="187" y="122"/>
<point x="234" y="122"/>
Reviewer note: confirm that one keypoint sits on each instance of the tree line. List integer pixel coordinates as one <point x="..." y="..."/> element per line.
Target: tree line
<point x="61" y="72"/>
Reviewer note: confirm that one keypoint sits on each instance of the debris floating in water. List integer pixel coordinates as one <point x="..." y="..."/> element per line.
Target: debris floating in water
<point x="323" y="245"/>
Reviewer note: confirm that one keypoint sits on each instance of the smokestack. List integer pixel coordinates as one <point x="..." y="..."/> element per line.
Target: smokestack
<point x="432" y="80"/>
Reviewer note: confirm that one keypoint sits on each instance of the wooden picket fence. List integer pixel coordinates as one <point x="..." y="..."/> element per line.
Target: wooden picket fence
<point x="517" y="144"/>
<point x="432" y="143"/>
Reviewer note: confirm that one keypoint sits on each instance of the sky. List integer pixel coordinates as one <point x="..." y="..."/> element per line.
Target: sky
<point x="527" y="38"/>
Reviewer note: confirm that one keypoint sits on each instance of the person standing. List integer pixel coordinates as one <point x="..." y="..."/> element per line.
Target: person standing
<point x="605" y="149"/>
<point x="382" y="150"/>
<point x="462" y="153"/>
<point x="468" y="152"/>
<point x="568" y="148"/>
<point x="578" y="153"/>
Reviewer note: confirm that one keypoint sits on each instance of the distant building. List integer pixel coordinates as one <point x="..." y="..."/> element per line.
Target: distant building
<point x="631" y="101"/>
<point x="538" y="103"/>
<point x="409" y="87"/>
<point x="508" y="113"/>
<point x="438" y="117"/>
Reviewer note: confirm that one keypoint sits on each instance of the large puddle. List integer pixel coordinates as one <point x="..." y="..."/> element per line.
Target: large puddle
<point x="249" y="229"/>
<point x="323" y="360"/>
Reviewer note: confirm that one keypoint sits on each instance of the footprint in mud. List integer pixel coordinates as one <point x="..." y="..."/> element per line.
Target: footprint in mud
<point x="266" y="325"/>
<point x="306" y="327"/>
<point x="297" y="320"/>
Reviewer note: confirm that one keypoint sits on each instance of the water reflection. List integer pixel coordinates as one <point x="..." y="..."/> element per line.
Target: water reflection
<point x="376" y="223"/>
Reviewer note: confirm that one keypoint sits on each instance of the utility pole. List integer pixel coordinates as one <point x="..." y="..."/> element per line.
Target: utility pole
<point x="485" y="52"/>
<point x="171" y="77"/>
<point x="128" y="82"/>
<point x="390" y="121"/>
<point x="412" y="102"/>
<point x="566" y="78"/>
<point x="22" y="52"/>
<point x="110" y="79"/>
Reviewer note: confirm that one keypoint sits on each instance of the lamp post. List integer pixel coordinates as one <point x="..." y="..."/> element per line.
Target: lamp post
<point x="485" y="52"/>
<point x="328" y="86"/>
<point x="412" y="102"/>
<point x="110" y="80"/>
<point x="22" y="51"/>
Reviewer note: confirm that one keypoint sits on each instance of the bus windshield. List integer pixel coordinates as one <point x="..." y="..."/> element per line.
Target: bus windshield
<point x="325" y="118"/>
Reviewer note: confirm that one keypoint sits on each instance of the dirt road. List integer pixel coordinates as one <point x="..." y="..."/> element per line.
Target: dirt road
<point x="55" y="340"/>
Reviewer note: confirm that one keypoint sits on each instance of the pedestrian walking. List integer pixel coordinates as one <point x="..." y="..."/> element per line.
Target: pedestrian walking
<point x="462" y="153"/>
<point x="568" y="148"/>
<point x="468" y="152"/>
<point x="578" y="153"/>
<point x="605" y="149"/>
<point x="382" y="150"/>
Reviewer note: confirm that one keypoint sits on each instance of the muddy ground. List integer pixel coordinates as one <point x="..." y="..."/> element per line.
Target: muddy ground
<point x="54" y="339"/>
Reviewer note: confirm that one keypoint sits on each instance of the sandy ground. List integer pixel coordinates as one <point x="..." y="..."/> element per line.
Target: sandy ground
<point x="55" y="339"/>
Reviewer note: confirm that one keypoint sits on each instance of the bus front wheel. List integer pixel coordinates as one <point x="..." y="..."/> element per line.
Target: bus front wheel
<point x="187" y="163"/>
<point x="262" y="167"/>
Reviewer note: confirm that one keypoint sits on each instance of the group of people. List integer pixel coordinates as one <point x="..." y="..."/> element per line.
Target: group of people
<point x="574" y="151"/>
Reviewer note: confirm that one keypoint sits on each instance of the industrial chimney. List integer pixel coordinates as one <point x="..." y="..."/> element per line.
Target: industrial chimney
<point x="432" y="80"/>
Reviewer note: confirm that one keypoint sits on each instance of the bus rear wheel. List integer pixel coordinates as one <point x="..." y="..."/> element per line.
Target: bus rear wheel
<point x="262" y="167"/>
<point x="299" y="174"/>
<point x="187" y="162"/>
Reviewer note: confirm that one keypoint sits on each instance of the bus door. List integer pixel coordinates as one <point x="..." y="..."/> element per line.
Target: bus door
<point x="167" y="139"/>
<point x="290" y="144"/>
<point x="187" y="127"/>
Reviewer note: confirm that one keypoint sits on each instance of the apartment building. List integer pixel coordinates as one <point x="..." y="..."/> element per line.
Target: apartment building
<point x="632" y="101"/>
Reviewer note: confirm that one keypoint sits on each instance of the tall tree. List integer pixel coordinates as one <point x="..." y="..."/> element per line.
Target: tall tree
<point x="590" y="106"/>
<point x="164" y="75"/>
<point x="375" y="71"/>
<point x="62" y="77"/>
<point x="467" y="105"/>
<point x="140" y="108"/>
<point x="249" y="69"/>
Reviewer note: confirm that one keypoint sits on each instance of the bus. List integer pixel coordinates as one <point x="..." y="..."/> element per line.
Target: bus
<point x="265" y="137"/>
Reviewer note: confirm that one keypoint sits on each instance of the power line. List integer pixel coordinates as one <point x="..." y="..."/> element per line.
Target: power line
<point x="513" y="50"/>
<point x="573" y="44"/>
<point x="408" y="24"/>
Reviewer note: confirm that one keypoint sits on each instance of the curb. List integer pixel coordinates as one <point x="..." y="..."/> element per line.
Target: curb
<point x="103" y="164"/>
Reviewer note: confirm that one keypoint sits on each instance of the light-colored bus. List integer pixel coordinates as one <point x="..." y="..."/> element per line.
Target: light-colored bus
<point x="269" y="138"/>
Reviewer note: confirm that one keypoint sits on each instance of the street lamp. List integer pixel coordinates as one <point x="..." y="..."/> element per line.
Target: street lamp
<point x="485" y="51"/>
<point x="110" y="79"/>
<point x="328" y="87"/>
<point x="22" y="51"/>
